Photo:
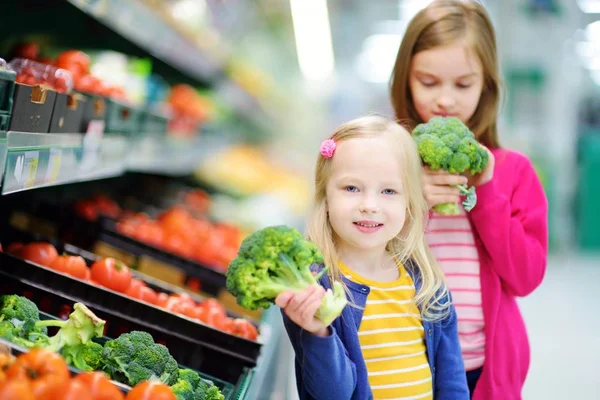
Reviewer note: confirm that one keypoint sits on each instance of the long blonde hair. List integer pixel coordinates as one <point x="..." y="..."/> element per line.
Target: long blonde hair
<point x="409" y="247"/>
<point x="443" y="23"/>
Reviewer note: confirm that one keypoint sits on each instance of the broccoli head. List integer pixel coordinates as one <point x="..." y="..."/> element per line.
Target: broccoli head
<point x="276" y="259"/>
<point x="183" y="390"/>
<point x="19" y="321"/>
<point x="207" y="391"/>
<point x="446" y="143"/>
<point x="134" y="357"/>
<point x="85" y="357"/>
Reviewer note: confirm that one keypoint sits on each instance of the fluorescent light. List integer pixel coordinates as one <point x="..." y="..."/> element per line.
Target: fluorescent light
<point x="313" y="38"/>
<point x="589" y="6"/>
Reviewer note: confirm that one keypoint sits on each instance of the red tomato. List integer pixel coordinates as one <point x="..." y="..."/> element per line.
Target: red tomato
<point x="214" y="318"/>
<point x="86" y="209"/>
<point x="106" y="206"/>
<point x="39" y="253"/>
<point x="74" y="57"/>
<point x="71" y="265"/>
<point x="46" y="372"/>
<point x="175" y="220"/>
<point x="136" y="282"/>
<point x="28" y="50"/>
<point x="77" y="390"/>
<point x="142" y="293"/>
<point x="162" y="300"/>
<point x="151" y="390"/>
<point x="16" y="390"/>
<point x="99" y="386"/>
<point x="213" y="303"/>
<point x="112" y="274"/>
<point x="15" y="248"/>
<point x="241" y="327"/>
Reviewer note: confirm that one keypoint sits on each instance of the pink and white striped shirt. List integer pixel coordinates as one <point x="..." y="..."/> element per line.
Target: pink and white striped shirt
<point x="453" y="245"/>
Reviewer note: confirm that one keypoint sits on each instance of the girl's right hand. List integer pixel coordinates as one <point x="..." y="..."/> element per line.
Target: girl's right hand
<point x="301" y="307"/>
<point x="438" y="186"/>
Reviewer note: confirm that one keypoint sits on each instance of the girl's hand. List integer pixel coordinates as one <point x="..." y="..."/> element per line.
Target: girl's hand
<point x="438" y="187"/>
<point x="487" y="174"/>
<point x="301" y="307"/>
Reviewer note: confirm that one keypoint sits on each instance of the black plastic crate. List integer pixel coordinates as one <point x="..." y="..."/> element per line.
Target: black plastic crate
<point x="212" y="280"/>
<point x="32" y="108"/>
<point x="94" y="114"/>
<point x="121" y="117"/>
<point x="191" y="343"/>
<point x="68" y="113"/>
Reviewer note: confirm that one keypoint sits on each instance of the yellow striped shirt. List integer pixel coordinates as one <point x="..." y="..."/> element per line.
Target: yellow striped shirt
<point x="392" y="339"/>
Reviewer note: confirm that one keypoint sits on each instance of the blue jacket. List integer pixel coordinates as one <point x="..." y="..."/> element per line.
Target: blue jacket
<point x="333" y="367"/>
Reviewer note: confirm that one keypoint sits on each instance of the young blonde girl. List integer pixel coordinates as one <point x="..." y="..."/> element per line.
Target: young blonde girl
<point x="447" y="65"/>
<point x="398" y="337"/>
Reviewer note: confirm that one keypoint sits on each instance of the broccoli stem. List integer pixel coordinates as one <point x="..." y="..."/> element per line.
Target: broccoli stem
<point x="452" y="208"/>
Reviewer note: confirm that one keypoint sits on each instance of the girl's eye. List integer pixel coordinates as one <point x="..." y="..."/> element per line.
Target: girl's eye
<point x="463" y="85"/>
<point x="428" y="83"/>
<point x="351" y="189"/>
<point x="389" y="191"/>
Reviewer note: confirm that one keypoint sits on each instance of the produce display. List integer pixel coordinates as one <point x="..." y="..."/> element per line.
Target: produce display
<point x="445" y="143"/>
<point x="277" y="259"/>
<point x="115" y="275"/>
<point x="132" y="358"/>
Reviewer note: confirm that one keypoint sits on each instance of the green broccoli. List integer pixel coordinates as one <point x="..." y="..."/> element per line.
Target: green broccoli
<point x="134" y="357"/>
<point x="276" y="259"/>
<point x="19" y="318"/>
<point x="183" y="390"/>
<point x="85" y="357"/>
<point x="448" y="144"/>
<point x="190" y="376"/>
<point x="208" y="391"/>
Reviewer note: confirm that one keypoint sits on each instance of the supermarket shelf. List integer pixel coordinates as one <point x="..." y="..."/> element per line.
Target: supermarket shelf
<point x="36" y="160"/>
<point x="138" y="22"/>
<point x="39" y="160"/>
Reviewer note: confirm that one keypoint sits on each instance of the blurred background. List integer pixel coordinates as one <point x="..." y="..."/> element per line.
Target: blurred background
<point x="119" y="115"/>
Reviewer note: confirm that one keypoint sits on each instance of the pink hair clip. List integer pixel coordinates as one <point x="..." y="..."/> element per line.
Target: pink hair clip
<point x="328" y="148"/>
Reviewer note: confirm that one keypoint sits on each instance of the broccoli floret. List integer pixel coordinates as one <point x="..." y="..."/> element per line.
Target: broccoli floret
<point x="134" y="357"/>
<point x="208" y="391"/>
<point x="448" y="144"/>
<point x="276" y="259"/>
<point x="191" y="376"/>
<point x="20" y="317"/>
<point x="85" y="357"/>
<point x="183" y="390"/>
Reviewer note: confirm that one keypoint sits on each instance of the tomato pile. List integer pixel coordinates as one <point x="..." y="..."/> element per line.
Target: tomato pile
<point x="44" y="375"/>
<point x="115" y="275"/>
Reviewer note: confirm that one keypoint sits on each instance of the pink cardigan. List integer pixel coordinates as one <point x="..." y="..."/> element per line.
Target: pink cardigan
<point x="510" y="224"/>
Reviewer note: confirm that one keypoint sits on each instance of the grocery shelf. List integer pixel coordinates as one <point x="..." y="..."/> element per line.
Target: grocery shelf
<point x="36" y="160"/>
<point x="138" y="22"/>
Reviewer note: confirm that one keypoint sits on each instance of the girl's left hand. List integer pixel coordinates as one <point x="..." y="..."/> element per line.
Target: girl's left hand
<point x="486" y="175"/>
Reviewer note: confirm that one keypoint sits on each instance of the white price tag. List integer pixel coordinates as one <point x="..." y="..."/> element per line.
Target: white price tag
<point x="30" y="164"/>
<point x="54" y="163"/>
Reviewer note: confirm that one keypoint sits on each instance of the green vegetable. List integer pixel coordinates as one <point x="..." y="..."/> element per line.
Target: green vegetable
<point x="85" y="357"/>
<point x="276" y="259"/>
<point x="207" y="391"/>
<point x="134" y="357"/>
<point x="446" y="143"/>
<point x="190" y="386"/>
<point x="19" y="318"/>
<point x="183" y="390"/>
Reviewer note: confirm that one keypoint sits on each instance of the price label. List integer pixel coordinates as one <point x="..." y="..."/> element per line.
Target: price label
<point x="54" y="163"/>
<point x="26" y="168"/>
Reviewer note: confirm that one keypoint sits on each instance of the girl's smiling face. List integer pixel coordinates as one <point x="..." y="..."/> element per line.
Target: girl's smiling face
<point x="446" y="81"/>
<point x="365" y="198"/>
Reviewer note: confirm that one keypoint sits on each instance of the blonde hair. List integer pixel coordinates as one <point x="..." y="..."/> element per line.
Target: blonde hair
<point x="409" y="246"/>
<point x="443" y="23"/>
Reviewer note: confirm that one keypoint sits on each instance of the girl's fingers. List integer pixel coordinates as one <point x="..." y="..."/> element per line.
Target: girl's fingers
<point x="312" y="305"/>
<point x="446" y="179"/>
<point x="284" y="298"/>
<point x="299" y="299"/>
<point x="435" y="190"/>
<point x="434" y="200"/>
